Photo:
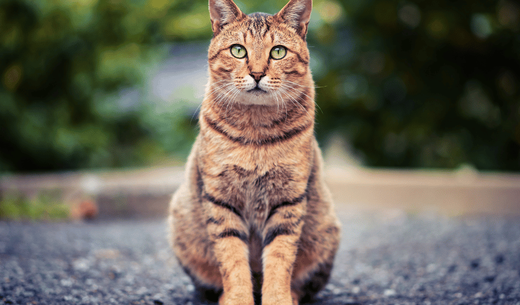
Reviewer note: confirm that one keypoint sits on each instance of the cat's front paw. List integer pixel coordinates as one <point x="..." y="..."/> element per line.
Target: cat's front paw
<point x="236" y="298"/>
<point x="279" y="300"/>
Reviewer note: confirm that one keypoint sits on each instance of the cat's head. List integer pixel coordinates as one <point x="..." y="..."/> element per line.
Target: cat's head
<point x="259" y="58"/>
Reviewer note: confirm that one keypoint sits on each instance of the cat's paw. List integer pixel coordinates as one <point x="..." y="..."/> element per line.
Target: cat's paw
<point x="279" y="300"/>
<point x="236" y="298"/>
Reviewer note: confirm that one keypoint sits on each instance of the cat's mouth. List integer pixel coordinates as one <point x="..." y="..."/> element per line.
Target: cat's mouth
<point x="257" y="90"/>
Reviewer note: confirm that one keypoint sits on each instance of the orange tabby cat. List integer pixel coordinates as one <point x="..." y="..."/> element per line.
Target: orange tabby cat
<point x="254" y="218"/>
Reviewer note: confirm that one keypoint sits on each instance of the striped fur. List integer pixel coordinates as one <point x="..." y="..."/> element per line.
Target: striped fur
<point x="254" y="217"/>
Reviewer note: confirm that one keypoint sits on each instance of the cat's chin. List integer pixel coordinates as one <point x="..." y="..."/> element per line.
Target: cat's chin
<point x="257" y="97"/>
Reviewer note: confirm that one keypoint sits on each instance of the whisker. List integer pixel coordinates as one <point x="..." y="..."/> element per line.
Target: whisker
<point x="231" y="98"/>
<point x="294" y="101"/>
<point x="296" y="90"/>
<point x="224" y="95"/>
<point x="236" y="95"/>
<point x="218" y="88"/>
<point x="301" y="92"/>
<point x="300" y="85"/>
<point x="206" y="94"/>
<point x="284" y="104"/>
<point x="277" y="105"/>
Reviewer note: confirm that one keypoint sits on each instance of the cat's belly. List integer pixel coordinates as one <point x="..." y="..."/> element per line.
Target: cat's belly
<point x="252" y="178"/>
<point x="254" y="193"/>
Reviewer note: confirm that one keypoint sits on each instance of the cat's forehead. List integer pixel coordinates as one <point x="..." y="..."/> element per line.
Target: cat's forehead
<point x="258" y="24"/>
<point x="259" y="28"/>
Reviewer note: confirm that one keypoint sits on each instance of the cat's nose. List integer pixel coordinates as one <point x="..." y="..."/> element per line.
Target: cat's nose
<point x="257" y="75"/>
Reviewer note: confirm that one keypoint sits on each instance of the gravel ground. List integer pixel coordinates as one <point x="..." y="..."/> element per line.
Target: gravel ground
<point x="384" y="258"/>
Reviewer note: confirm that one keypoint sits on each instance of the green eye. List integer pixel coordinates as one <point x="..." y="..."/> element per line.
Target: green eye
<point x="278" y="52"/>
<point x="238" y="51"/>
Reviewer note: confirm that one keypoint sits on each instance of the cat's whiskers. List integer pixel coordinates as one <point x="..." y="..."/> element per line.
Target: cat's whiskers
<point x="236" y="95"/>
<point x="277" y="105"/>
<point x="211" y="84"/>
<point x="232" y="98"/>
<point x="209" y="93"/>
<point x="292" y="98"/>
<point x="221" y="99"/>
<point x="223" y="96"/>
<point x="300" y="85"/>
<point x="283" y="103"/>
<point x="280" y="101"/>
<point x="217" y="93"/>
<point x="218" y="88"/>
<point x="297" y="89"/>
<point x="212" y="88"/>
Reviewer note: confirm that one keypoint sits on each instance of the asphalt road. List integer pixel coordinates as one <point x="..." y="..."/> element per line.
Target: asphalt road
<point x="384" y="258"/>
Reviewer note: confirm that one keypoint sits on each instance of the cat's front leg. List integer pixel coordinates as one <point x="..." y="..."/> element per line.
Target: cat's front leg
<point x="230" y="245"/>
<point x="281" y="238"/>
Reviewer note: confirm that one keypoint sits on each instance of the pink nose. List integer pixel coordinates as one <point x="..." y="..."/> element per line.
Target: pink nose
<point x="257" y="75"/>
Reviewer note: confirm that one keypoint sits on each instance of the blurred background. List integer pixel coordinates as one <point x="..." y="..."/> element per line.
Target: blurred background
<point x="89" y="86"/>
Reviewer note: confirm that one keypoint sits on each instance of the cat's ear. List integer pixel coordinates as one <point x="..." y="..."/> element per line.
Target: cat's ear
<point x="223" y="12"/>
<point x="297" y="14"/>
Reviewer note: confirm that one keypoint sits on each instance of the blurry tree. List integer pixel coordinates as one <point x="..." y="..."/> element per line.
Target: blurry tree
<point x="63" y="67"/>
<point x="421" y="83"/>
<point x="407" y="83"/>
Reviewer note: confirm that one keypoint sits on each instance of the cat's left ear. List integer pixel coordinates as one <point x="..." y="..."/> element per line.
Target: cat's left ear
<point x="223" y="12"/>
<point x="297" y="14"/>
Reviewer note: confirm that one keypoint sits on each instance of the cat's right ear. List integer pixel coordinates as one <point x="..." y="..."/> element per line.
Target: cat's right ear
<point x="223" y="12"/>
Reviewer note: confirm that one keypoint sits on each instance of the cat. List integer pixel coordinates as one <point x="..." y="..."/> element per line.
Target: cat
<point x="254" y="219"/>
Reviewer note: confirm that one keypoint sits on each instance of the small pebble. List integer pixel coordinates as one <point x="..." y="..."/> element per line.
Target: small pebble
<point x="389" y="292"/>
<point x="499" y="259"/>
<point x="489" y="278"/>
<point x="142" y="291"/>
<point x="431" y="267"/>
<point x="452" y="268"/>
<point x="330" y="287"/>
<point x="475" y="263"/>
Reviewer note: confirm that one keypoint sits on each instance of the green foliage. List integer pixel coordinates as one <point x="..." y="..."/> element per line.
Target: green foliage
<point x="422" y="83"/>
<point x="42" y="207"/>
<point x="407" y="83"/>
<point x="62" y="66"/>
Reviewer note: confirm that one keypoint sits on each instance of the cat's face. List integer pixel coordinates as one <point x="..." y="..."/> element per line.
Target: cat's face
<point x="258" y="58"/>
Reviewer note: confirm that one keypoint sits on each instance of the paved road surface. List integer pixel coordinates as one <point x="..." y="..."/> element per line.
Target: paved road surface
<point x="385" y="258"/>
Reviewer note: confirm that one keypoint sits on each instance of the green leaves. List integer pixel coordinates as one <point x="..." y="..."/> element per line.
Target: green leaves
<point x="422" y="84"/>
<point x="407" y="84"/>
<point x="59" y="61"/>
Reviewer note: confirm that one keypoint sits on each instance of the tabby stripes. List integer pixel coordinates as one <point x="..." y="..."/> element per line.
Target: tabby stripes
<point x="266" y="141"/>
<point x="281" y="229"/>
<point x="222" y="204"/>
<point x="233" y="233"/>
<point x="286" y="204"/>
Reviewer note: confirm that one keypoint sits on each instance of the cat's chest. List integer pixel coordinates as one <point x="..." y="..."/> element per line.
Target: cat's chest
<point x="254" y="192"/>
<point x="255" y="180"/>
